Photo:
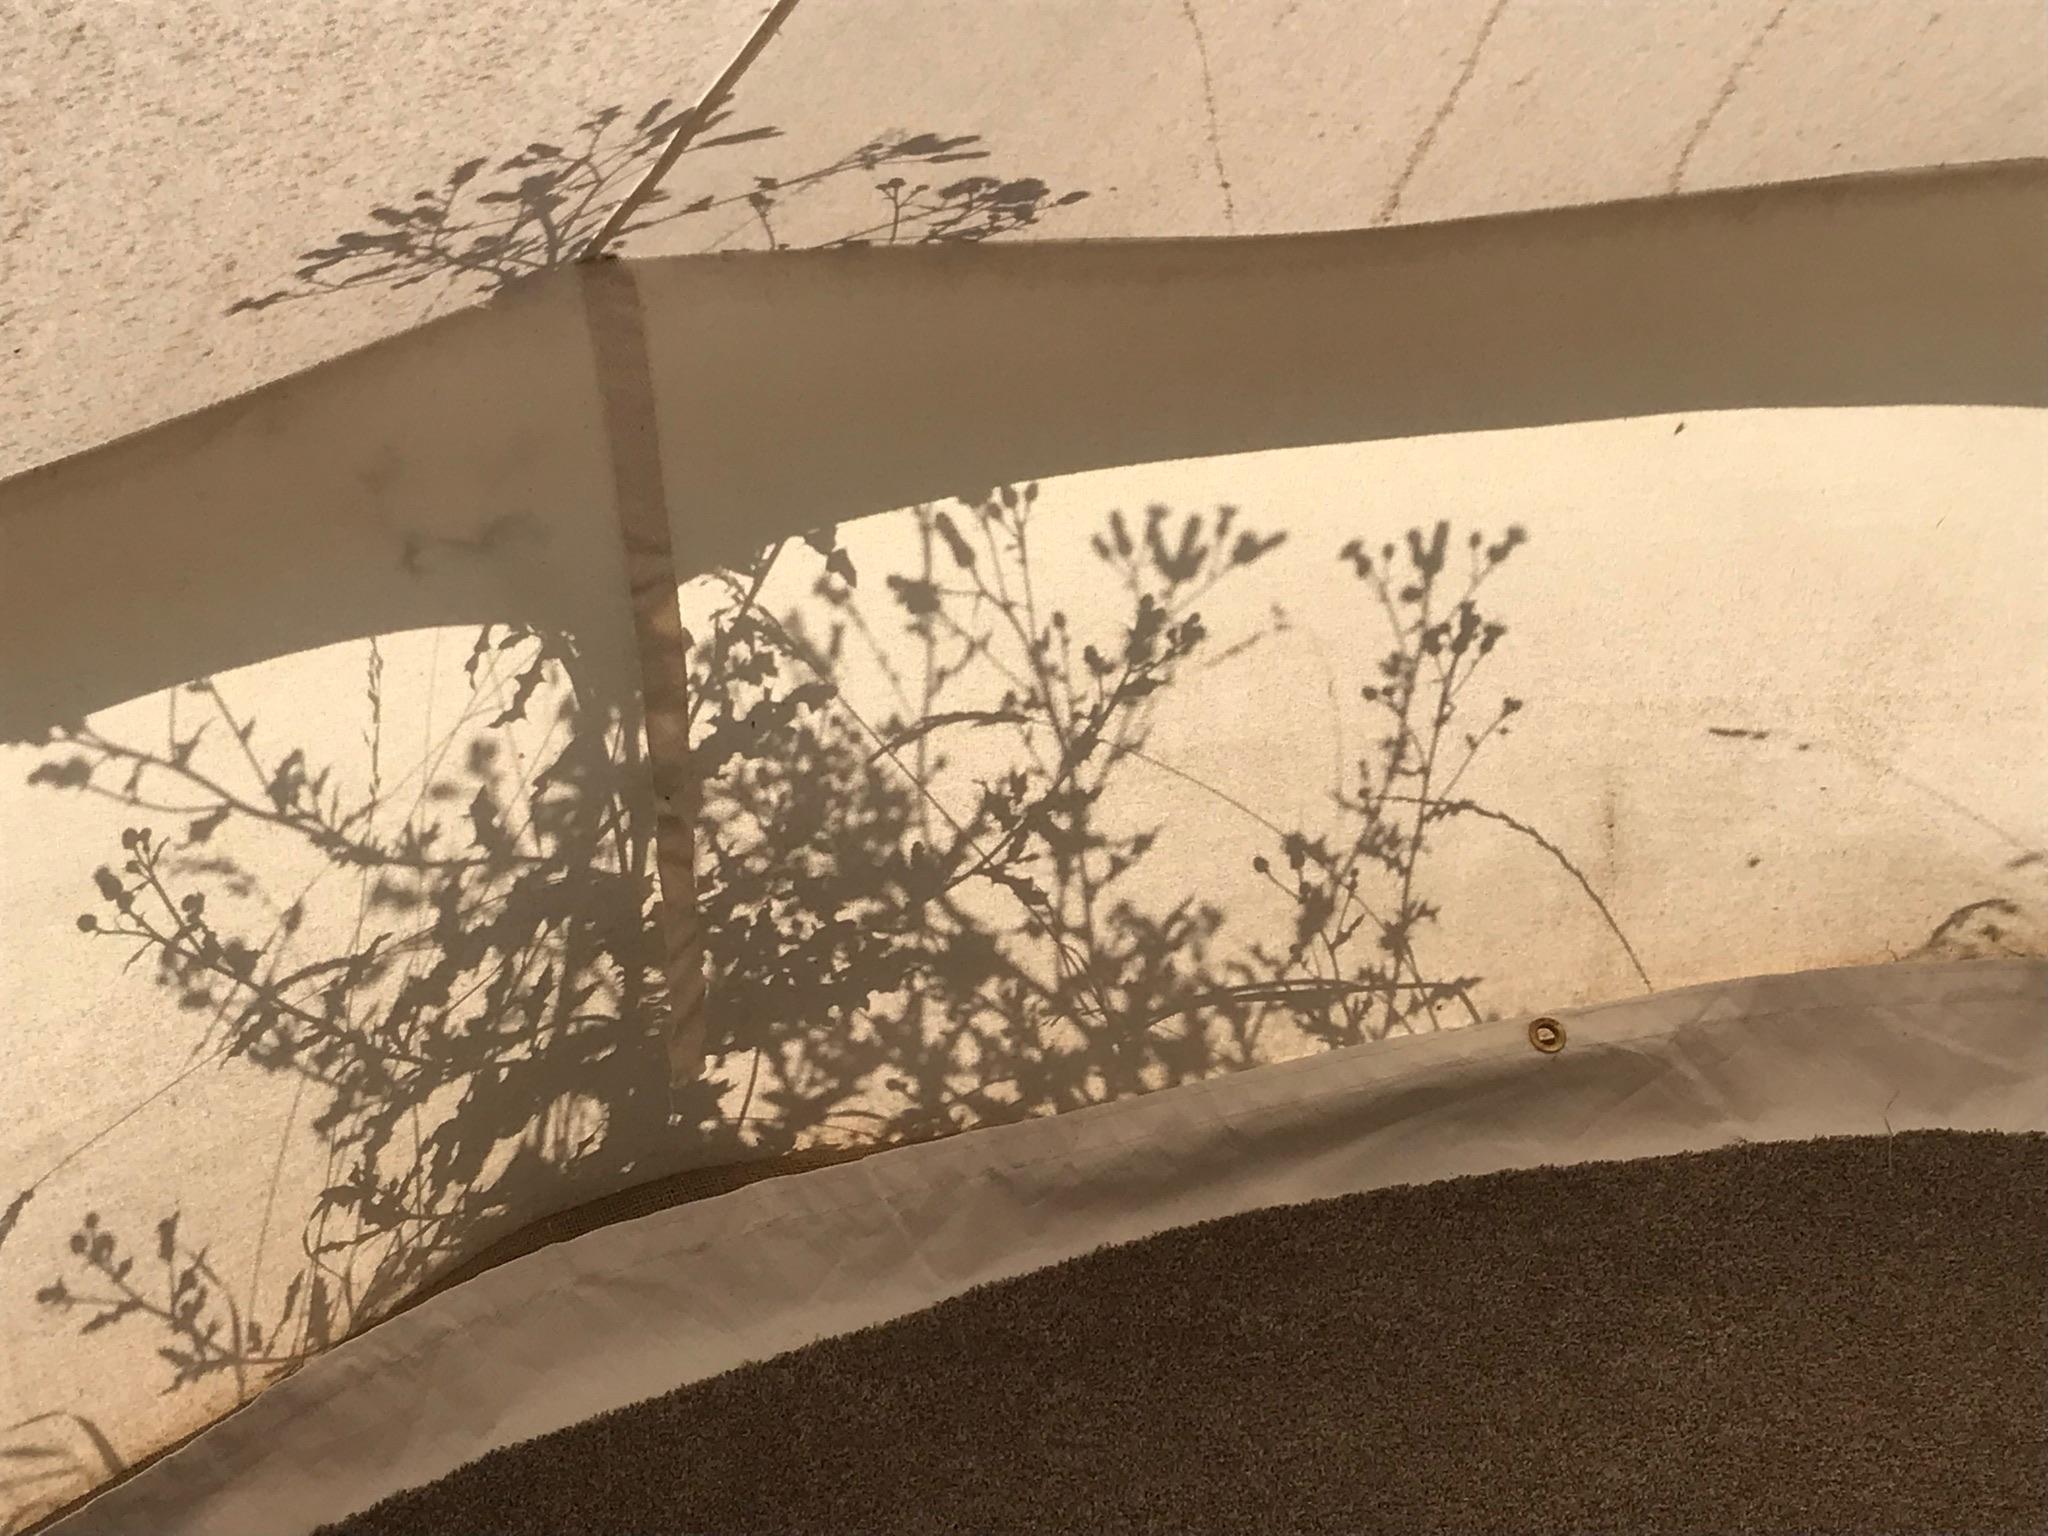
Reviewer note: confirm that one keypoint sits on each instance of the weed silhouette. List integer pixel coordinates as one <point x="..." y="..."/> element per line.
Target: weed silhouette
<point x="490" y="224"/>
<point x="481" y="1042"/>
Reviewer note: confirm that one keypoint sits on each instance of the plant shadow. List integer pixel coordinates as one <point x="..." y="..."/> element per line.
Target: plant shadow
<point x="492" y="222"/>
<point x="478" y="1032"/>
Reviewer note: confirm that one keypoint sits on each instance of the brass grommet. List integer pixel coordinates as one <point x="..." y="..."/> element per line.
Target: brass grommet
<point x="1547" y="1035"/>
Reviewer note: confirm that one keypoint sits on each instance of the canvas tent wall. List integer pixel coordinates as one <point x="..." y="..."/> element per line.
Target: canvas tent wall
<point x="169" y="160"/>
<point x="357" y="652"/>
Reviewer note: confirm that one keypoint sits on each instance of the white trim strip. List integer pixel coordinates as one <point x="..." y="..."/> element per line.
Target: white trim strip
<point x="636" y="1309"/>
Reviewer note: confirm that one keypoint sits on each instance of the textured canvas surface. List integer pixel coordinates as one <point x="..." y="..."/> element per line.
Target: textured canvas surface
<point x="1839" y="1335"/>
<point x="201" y="196"/>
<point x="1536" y="613"/>
<point x="684" y="1295"/>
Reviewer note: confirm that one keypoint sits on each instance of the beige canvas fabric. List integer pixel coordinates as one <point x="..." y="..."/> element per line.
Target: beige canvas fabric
<point x="1540" y="610"/>
<point x="639" y="1308"/>
<point x="171" y="164"/>
<point x="1010" y="806"/>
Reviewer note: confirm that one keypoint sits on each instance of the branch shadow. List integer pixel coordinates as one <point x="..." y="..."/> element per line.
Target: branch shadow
<point x="917" y="920"/>
<point x="910" y="945"/>
<point x="492" y="222"/>
<point x="2006" y="918"/>
<point x="481" y="1041"/>
<point x="44" y="1458"/>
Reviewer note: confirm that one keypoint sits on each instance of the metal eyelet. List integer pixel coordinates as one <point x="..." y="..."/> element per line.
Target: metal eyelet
<point x="1547" y="1035"/>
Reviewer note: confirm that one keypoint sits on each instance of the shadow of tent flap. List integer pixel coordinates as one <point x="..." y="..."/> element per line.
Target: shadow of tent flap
<point x="463" y="473"/>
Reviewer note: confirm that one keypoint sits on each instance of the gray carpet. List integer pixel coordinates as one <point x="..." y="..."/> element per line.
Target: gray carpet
<point x="1832" y="1336"/>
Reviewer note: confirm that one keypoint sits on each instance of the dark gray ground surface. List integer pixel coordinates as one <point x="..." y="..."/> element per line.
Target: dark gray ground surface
<point x="1843" y="1335"/>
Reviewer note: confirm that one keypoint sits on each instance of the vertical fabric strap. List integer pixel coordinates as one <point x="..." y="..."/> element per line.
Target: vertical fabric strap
<point x="626" y="388"/>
